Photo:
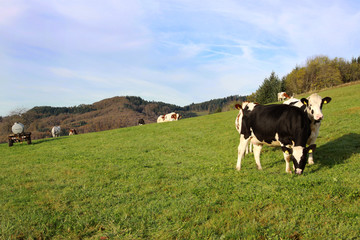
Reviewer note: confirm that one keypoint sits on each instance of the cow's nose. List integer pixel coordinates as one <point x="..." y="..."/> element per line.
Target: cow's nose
<point x="319" y="117"/>
<point x="298" y="171"/>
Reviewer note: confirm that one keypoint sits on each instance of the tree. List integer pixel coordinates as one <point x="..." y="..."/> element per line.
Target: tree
<point x="269" y="89"/>
<point x="296" y="80"/>
<point x="327" y="76"/>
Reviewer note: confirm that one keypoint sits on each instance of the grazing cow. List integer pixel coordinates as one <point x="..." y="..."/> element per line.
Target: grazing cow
<point x="276" y="125"/>
<point x="55" y="131"/>
<point x="72" y="132"/>
<point x="312" y="106"/>
<point x="141" y="122"/>
<point x="282" y="96"/>
<point x="161" y="119"/>
<point x="168" y="117"/>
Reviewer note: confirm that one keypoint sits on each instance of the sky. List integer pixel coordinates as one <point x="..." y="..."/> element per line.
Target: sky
<point x="71" y="52"/>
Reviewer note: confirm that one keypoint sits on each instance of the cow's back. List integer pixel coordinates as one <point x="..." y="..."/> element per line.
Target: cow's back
<point x="286" y="122"/>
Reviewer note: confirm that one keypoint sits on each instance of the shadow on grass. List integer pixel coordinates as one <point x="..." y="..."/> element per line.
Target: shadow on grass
<point x="337" y="151"/>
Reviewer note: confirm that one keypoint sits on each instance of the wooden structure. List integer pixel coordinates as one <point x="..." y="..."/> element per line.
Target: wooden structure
<point x="19" y="137"/>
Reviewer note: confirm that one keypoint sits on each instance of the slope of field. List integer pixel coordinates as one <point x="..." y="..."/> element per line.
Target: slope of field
<point x="178" y="181"/>
<point x="107" y="114"/>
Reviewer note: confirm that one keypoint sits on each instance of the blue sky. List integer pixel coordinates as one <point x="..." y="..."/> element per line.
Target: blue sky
<point x="71" y="52"/>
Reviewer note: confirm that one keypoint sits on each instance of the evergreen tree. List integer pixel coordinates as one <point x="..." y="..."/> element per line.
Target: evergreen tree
<point x="269" y="89"/>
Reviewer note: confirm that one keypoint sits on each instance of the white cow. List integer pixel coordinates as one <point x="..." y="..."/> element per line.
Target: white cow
<point x="282" y="96"/>
<point x="55" y="131"/>
<point x="168" y="117"/>
<point x="313" y="106"/>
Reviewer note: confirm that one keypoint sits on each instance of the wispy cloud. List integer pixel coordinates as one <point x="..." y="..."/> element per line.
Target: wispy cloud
<point x="178" y="51"/>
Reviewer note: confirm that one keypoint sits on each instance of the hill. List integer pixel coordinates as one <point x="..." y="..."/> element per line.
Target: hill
<point x="116" y="112"/>
<point x="178" y="180"/>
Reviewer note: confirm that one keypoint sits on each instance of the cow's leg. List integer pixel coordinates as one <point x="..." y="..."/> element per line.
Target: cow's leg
<point x="311" y="141"/>
<point x="311" y="159"/>
<point x="241" y="150"/>
<point x="314" y="134"/>
<point x="247" y="149"/>
<point x="287" y="158"/>
<point x="257" y="151"/>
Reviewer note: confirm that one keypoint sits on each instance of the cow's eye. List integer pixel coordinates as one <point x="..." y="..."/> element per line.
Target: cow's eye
<point x="312" y="111"/>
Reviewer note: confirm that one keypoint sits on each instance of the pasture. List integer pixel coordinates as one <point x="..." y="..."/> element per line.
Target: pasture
<point x="177" y="180"/>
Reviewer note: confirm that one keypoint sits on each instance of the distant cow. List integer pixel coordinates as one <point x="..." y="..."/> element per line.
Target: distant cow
<point x="313" y="107"/>
<point x="141" y="122"/>
<point x="72" y="132"/>
<point x="282" y="96"/>
<point x="276" y="125"/>
<point x="55" y="131"/>
<point x="168" y="117"/>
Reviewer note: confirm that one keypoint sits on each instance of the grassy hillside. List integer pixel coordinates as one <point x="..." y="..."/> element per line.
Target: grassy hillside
<point x="178" y="181"/>
<point x="107" y="114"/>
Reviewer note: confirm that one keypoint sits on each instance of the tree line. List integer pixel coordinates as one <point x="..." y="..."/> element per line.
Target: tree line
<point x="319" y="72"/>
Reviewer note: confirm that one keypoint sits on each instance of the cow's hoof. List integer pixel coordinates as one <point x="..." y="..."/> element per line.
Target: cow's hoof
<point x="238" y="168"/>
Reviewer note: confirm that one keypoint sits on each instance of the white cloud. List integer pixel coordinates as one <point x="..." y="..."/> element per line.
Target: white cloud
<point x="178" y="51"/>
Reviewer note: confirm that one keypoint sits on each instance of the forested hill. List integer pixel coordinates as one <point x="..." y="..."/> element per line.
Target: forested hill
<point x="111" y="113"/>
<point x="215" y="105"/>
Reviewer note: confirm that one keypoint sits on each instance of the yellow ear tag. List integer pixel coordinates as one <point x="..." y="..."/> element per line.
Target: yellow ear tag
<point x="325" y="101"/>
<point x="287" y="152"/>
<point x="310" y="151"/>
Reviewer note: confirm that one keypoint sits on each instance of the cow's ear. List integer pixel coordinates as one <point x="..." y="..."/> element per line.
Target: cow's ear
<point x="286" y="150"/>
<point x="311" y="148"/>
<point x="305" y="101"/>
<point x="238" y="106"/>
<point x="326" y="100"/>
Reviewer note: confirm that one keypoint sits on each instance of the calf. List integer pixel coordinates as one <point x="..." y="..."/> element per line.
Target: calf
<point x="276" y="125"/>
<point x="313" y="107"/>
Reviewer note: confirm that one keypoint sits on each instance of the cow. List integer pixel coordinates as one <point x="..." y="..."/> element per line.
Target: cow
<point x="313" y="107"/>
<point x="168" y="117"/>
<point x="238" y="119"/>
<point x="282" y="96"/>
<point x="161" y="119"/>
<point x="276" y="125"/>
<point x="141" y="122"/>
<point x="55" y="131"/>
<point x="72" y="132"/>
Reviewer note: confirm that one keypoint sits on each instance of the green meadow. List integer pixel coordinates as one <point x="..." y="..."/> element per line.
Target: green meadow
<point x="178" y="180"/>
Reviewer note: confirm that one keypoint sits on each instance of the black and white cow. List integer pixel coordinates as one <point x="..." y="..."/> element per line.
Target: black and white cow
<point x="249" y="106"/>
<point x="276" y="125"/>
<point x="313" y="107"/>
<point x="141" y="122"/>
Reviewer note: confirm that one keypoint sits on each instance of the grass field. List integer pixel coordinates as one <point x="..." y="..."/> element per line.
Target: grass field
<point x="178" y="181"/>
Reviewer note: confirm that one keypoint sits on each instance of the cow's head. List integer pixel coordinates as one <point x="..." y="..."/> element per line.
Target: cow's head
<point x="299" y="156"/>
<point x="314" y="104"/>
<point x="246" y="106"/>
<point x="175" y="116"/>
